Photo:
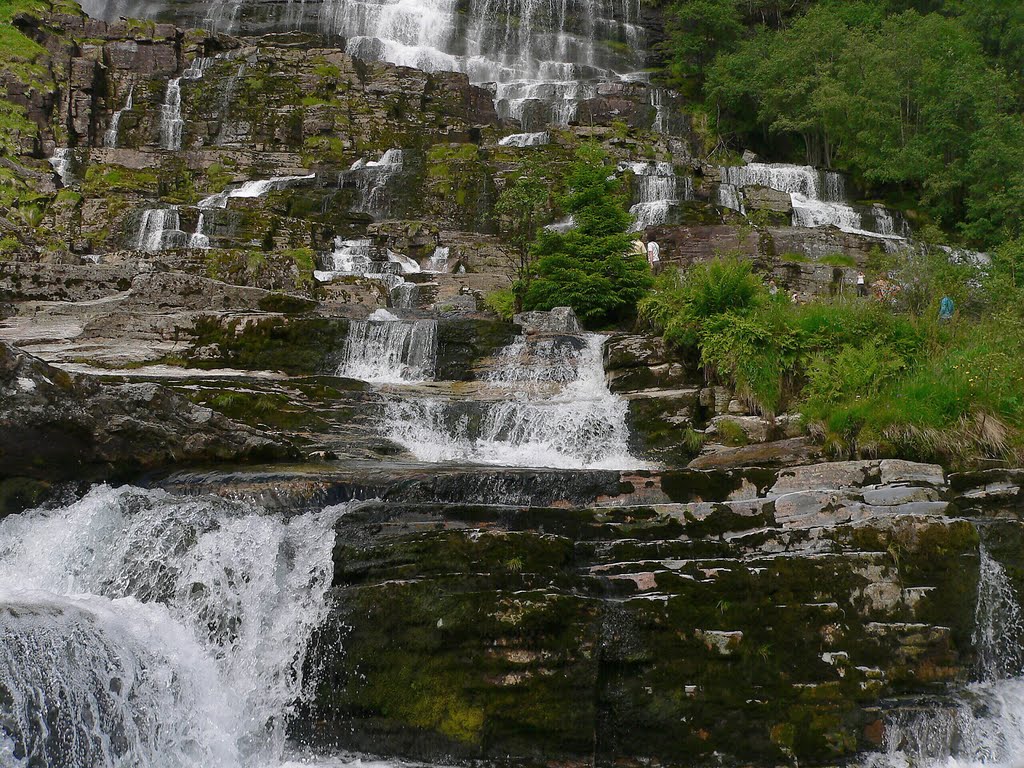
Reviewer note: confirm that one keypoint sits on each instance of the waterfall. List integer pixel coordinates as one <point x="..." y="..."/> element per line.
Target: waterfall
<point x="546" y="404"/>
<point x="199" y="239"/>
<point x="656" y="98"/>
<point x="656" y="190"/>
<point x="197" y="68"/>
<point x="985" y="726"/>
<point x="438" y="261"/>
<point x="159" y="228"/>
<point x="390" y="351"/>
<point x="60" y="161"/>
<point x="526" y="140"/>
<point x="360" y="258"/>
<point x="171" y="122"/>
<point x="181" y="645"/>
<point x="251" y="189"/>
<point x="537" y="53"/>
<point x="818" y="198"/>
<point x="371" y="178"/>
<point x="110" y="137"/>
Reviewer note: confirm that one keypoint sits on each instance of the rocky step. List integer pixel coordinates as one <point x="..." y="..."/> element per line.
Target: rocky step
<point x="609" y="633"/>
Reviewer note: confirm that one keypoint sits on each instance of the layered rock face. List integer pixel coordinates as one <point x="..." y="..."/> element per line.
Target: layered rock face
<point x="755" y="617"/>
<point x="54" y="426"/>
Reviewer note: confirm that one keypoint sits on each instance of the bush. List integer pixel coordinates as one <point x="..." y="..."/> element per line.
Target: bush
<point x="501" y="302"/>
<point x="591" y="267"/>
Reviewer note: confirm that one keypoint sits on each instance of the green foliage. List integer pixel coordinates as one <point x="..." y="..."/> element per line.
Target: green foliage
<point x="519" y="210"/>
<point x="697" y="30"/>
<point x="591" y="267"/>
<point x="910" y="100"/>
<point x="501" y="302"/>
<point x="870" y="378"/>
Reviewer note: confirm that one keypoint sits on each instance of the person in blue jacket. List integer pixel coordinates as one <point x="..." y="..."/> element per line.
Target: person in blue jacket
<point x="946" y="309"/>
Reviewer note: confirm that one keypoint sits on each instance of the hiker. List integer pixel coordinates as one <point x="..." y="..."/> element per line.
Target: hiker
<point x="862" y="287"/>
<point x="653" y="254"/>
<point x="639" y="247"/>
<point x="946" y="309"/>
<point x="773" y="289"/>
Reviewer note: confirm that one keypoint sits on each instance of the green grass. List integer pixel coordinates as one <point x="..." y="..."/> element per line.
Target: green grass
<point x="870" y="381"/>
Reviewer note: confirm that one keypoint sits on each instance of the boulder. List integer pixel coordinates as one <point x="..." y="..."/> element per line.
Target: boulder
<point x="55" y="426"/>
<point x="557" y="320"/>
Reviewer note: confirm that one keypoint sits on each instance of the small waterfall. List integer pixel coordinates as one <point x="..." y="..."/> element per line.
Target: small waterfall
<point x="818" y="198"/>
<point x="405" y="295"/>
<point x="547" y="405"/>
<point x="110" y="137"/>
<point x="656" y="190"/>
<point x="197" y="68"/>
<point x="390" y="351"/>
<point x="656" y="98"/>
<point x="801" y="179"/>
<point x="361" y="258"/>
<point x="438" y="261"/>
<point x="199" y="239"/>
<point x="985" y="727"/>
<point x="371" y="179"/>
<point x="159" y="229"/>
<point x="171" y="122"/>
<point x="526" y="140"/>
<point x="61" y="161"/>
<point x="230" y="86"/>
<point x="182" y="645"/>
<point x="251" y="189"/>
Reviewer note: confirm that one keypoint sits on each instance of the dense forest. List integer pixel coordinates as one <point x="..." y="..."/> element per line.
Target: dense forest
<point x="920" y="102"/>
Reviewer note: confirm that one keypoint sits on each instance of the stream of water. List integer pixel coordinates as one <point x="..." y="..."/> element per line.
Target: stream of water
<point x="144" y="630"/>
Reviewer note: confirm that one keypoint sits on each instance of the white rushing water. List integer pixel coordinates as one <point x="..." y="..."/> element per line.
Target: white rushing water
<point x="984" y="726"/>
<point x="546" y="404"/>
<point x="537" y="139"/>
<point x="656" y="190"/>
<point x="250" y="189"/>
<point x="535" y="53"/>
<point x="159" y="229"/>
<point x="60" y="161"/>
<point x="818" y="198"/>
<point x="360" y="258"/>
<point x="386" y="350"/>
<point x="143" y="630"/>
<point x="110" y="137"/>
<point x="171" y="122"/>
<point x="370" y="179"/>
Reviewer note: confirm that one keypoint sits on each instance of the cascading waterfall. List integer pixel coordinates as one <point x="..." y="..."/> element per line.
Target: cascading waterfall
<point x="171" y="122"/>
<point x="159" y="229"/>
<point x="110" y="137"/>
<point x="818" y="198"/>
<point x="251" y="189"/>
<point x="360" y="258"/>
<point x="985" y="727"/>
<point x="438" y="261"/>
<point x="526" y="139"/>
<point x="60" y="161"/>
<point x="385" y="350"/>
<point x="180" y="645"/>
<point x="656" y="191"/>
<point x="371" y="179"/>
<point x="548" y="54"/>
<point x="547" y="405"/>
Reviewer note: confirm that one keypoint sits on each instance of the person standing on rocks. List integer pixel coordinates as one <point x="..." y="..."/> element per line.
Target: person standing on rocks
<point x="653" y="254"/>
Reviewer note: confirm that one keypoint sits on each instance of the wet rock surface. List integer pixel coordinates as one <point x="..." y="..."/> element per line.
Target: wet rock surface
<point x="745" y="617"/>
<point x="58" y="426"/>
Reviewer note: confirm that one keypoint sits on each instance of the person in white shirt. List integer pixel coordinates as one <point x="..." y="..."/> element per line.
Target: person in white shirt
<point x="862" y="288"/>
<point x="653" y="254"/>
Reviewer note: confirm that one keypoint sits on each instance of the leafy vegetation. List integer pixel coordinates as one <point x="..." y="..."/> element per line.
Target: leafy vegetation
<point x="869" y="378"/>
<point x="917" y="100"/>
<point x="591" y="267"/>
